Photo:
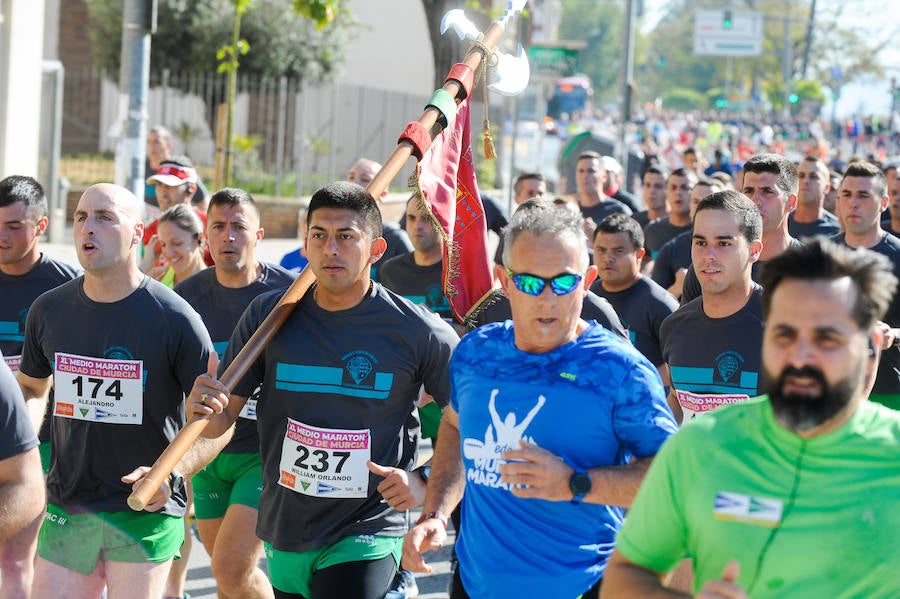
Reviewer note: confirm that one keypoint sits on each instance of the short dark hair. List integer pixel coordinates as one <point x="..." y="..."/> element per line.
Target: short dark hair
<point x="657" y="170"/>
<point x="592" y="155"/>
<point x="185" y="218"/>
<point x="683" y="172"/>
<point x="231" y="197"/>
<point x="19" y="188"/>
<point x="619" y="223"/>
<point x="526" y="176"/>
<point x="821" y="259"/>
<point x="749" y="218"/>
<point x="767" y="162"/>
<point x="348" y="196"/>
<point x="869" y="171"/>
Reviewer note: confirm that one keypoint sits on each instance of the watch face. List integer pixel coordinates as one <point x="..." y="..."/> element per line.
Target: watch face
<point x="580" y="483"/>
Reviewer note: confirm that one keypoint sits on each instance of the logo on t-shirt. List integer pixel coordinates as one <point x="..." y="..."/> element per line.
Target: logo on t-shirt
<point x="502" y="434"/>
<point x="728" y="365"/>
<point x="759" y="511"/>
<point x="359" y="365"/>
<point x="117" y="352"/>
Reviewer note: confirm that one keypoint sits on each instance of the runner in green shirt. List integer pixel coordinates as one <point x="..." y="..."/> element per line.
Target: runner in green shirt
<point x="792" y="494"/>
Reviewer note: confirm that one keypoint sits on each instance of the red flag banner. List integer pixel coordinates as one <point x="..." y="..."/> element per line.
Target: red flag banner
<point x="446" y="180"/>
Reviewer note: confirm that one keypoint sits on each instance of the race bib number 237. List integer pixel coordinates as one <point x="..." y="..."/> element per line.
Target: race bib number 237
<point x="324" y="462"/>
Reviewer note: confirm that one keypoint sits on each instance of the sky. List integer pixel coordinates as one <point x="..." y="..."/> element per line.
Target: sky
<point x="872" y="17"/>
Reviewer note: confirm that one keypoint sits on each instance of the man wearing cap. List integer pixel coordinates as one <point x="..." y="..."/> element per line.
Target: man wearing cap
<point x="176" y="183"/>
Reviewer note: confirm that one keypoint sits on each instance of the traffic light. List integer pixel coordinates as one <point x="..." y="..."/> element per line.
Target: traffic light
<point x="727" y="21"/>
<point x="793" y="98"/>
<point x="721" y="103"/>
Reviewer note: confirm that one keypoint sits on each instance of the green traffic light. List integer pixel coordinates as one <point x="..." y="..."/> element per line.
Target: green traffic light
<point x="727" y="22"/>
<point x="793" y="98"/>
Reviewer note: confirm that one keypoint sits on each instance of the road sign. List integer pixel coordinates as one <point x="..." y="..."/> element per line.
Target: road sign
<point x="552" y="62"/>
<point x="728" y="33"/>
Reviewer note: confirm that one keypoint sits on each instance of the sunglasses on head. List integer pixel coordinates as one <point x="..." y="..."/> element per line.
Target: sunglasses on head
<point x="561" y="284"/>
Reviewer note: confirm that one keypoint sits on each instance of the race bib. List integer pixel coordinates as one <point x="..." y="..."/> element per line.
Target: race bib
<point x="323" y="462"/>
<point x="249" y="410"/>
<point x="13" y="362"/>
<point x="694" y="404"/>
<point x="99" y="390"/>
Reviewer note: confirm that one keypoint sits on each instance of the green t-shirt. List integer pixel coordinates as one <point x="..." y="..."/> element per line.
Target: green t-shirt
<point x="721" y="489"/>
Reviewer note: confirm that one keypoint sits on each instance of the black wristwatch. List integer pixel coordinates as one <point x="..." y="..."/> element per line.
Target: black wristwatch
<point x="176" y="482"/>
<point x="580" y="485"/>
<point x="424" y="473"/>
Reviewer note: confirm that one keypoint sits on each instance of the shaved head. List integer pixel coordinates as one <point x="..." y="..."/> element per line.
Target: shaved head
<point x="124" y="199"/>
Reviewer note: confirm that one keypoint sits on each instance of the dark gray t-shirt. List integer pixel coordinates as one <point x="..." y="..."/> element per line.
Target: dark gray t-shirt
<point x="397" y="244"/>
<point x="18" y="293"/>
<point x="642" y="308"/>
<point x="660" y="231"/>
<point x="828" y="225"/>
<point x="600" y="211"/>
<point x="16" y="434"/>
<point x="713" y="361"/>
<point x="674" y="255"/>
<point x="339" y="388"/>
<point x="887" y="379"/>
<point x="121" y="371"/>
<point x="220" y="308"/>
<point x="419" y="284"/>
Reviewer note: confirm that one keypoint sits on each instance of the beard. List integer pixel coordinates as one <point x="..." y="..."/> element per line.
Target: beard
<point x="799" y="412"/>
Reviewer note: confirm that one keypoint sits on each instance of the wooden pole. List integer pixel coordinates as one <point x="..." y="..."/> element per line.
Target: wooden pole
<point x="248" y="354"/>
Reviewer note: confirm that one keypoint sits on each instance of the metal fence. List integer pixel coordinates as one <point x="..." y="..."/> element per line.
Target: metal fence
<point x="290" y="139"/>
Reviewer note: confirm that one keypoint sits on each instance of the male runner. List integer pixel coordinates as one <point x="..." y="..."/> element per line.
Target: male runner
<point x="641" y="304"/>
<point x="120" y="349"/>
<point x="25" y="273"/>
<point x="793" y="495"/>
<point x="417" y="275"/>
<point x="712" y="344"/>
<point x="862" y="198"/>
<point x="339" y="383"/>
<point x="552" y="424"/>
<point x="226" y="491"/>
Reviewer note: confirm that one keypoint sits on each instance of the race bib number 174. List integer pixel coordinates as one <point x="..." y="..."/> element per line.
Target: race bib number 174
<point x="98" y="390"/>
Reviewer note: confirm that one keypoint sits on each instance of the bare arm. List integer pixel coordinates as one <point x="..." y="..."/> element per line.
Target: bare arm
<point x="445" y="489"/>
<point x="36" y="392"/>
<point x="539" y="474"/>
<point x="210" y="399"/>
<point x="21" y="491"/>
<point x="678" y="286"/>
<point x="624" y="578"/>
<point x="202" y="452"/>
<point x="663" y="370"/>
<point x="672" y="400"/>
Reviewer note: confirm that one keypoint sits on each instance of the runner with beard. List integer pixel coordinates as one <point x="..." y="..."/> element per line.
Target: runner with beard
<point x="775" y="496"/>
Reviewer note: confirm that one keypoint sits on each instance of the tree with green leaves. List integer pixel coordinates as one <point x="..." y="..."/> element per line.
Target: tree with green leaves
<point x="666" y="61"/>
<point x="190" y="32"/>
<point x="300" y="39"/>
